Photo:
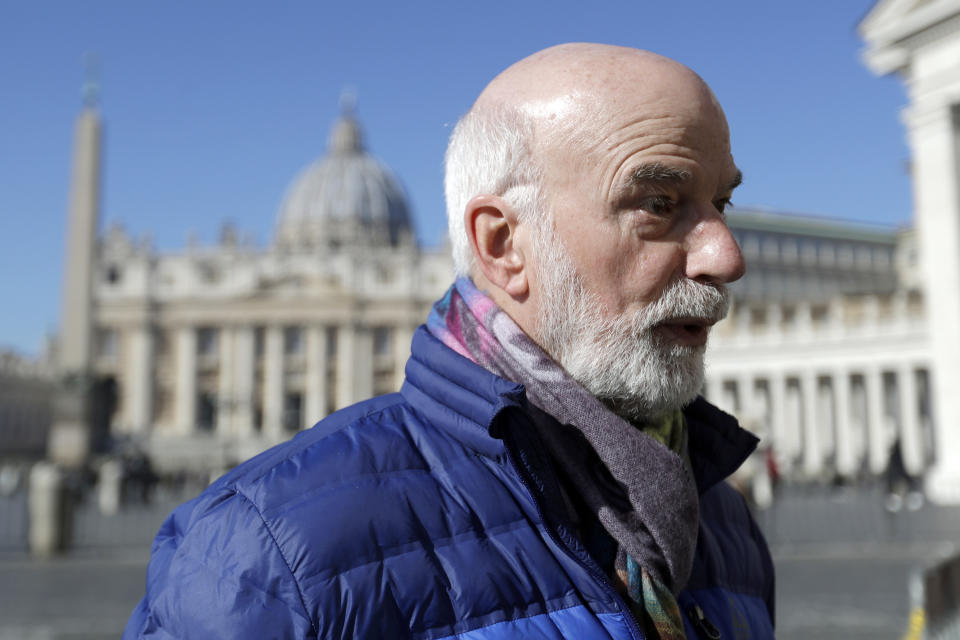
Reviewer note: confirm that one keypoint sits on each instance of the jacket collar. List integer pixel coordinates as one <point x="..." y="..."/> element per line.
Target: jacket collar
<point x="468" y="399"/>
<point x="717" y="444"/>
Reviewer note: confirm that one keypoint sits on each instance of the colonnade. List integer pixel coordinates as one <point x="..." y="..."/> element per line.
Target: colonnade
<point x="838" y="421"/>
<point x="333" y="368"/>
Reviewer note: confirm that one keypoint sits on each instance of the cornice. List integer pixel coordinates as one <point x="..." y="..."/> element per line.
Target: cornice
<point x="891" y="40"/>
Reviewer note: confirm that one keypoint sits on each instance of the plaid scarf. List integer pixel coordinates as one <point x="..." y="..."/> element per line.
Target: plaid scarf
<point x="635" y="481"/>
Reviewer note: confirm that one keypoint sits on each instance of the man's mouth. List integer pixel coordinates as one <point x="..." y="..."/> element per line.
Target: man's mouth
<point x="690" y="332"/>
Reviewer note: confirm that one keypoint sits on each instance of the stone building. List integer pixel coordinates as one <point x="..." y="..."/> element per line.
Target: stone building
<point x="919" y="40"/>
<point x="220" y="351"/>
<point x="826" y="351"/>
<point x="26" y="392"/>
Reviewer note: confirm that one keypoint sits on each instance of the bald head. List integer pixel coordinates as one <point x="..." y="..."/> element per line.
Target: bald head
<point x="582" y="69"/>
<point x="558" y="101"/>
<point x="566" y="88"/>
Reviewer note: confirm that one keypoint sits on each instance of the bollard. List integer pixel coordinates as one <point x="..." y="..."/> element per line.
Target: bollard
<point x="110" y="487"/>
<point x="918" y="618"/>
<point x="941" y="597"/>
<point x="48" y="510"/>
<point x="935" y="602"/>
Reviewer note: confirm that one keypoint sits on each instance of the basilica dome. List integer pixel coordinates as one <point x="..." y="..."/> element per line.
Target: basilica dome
<point x="346" y="198"/>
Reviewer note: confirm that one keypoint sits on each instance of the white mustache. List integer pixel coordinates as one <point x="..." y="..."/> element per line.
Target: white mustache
<point x="686" y="299"/>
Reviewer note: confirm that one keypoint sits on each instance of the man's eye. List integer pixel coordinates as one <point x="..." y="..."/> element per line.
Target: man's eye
<point x="658" y="205"/>
<point x="723" y="204"/>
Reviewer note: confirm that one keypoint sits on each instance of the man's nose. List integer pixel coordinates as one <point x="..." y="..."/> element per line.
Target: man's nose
<point x="713" y="255"/>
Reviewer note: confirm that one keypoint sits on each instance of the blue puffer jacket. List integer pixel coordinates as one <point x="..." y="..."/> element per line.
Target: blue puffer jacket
<point x="426" y="514"/>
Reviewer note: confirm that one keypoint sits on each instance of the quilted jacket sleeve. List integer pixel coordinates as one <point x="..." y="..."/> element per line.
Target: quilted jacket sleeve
<point x="216" y="571"/>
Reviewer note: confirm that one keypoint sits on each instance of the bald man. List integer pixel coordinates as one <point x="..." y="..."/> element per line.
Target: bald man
<point x="547" y="470"/>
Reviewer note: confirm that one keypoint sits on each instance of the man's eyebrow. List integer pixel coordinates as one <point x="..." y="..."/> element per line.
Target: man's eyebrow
<point x="736" y="182"/>
<point x="657" y="172"/>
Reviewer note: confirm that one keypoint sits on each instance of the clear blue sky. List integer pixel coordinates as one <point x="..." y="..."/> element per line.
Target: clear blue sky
<point x="211" y="108"/>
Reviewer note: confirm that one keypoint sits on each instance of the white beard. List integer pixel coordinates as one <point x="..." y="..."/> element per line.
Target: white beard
<point x="621" y="359"/>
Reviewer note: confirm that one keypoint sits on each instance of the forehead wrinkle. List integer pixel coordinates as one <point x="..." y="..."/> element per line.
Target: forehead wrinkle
<point x="665" y="128"/>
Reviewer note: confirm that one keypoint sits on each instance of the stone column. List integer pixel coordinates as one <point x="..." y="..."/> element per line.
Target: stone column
<point x="935" y="141"/>
<point x="745" y="392"/>
<point x="316" y="382"/>
<point x="243" y="384"/>
<point x="727" y="396"/>
<point x="910" y="438"/>
<point x="826" y="424"/>
<point x="793" y="433"/>
<point x="778" y="413"/>
<point x="186" y="385"/>
<point x="225" y="384"/>
<point x="139" y="376"/>
<point x="858" y="422"/>
<point x="878" y="445"/>
<point x="273" y="381"/>
<point x="846" y="456"/>
<point x="354" y="364"/>
<point x="49" y="510"/>
<point x="346" y="357"/>
<point x="812" y="455"/>
<point x="363" y="364"/>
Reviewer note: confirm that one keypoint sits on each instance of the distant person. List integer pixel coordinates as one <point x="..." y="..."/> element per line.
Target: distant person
<point x="547" y="469"/>
<point x="902" y="487"/>
<point x="140" y="477"/>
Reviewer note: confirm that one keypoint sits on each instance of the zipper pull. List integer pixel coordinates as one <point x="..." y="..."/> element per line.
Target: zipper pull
<point x="702" y="624"/>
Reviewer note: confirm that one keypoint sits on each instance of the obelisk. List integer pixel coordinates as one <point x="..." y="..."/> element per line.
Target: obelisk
<point x="70" y="434"/>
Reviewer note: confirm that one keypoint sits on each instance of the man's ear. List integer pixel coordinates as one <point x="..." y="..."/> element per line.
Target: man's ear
<point x="496" y="237"/>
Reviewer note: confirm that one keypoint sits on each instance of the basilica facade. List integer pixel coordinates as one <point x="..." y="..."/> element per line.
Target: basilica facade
<point x="218" y="352"/>
<point x="832" y="352"/>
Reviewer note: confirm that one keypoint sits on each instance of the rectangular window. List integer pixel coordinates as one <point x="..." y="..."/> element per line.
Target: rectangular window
<point x="162" y="403"/>
<point x="293" y="341"/>
<point x="208" y="339"/>
<point x="331" y="342"/>
<point x="258" y="417"/>
<point x="161" y="342"/>
<point x="258" y="341"/>
<point x="107" y="343"/>
<point x="383" y="341"/>
<point x="293" y="412"/>
<point x="207" y="410"/>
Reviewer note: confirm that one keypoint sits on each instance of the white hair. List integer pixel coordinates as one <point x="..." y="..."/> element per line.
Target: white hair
<point x="490" y="154"/>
